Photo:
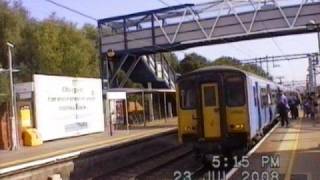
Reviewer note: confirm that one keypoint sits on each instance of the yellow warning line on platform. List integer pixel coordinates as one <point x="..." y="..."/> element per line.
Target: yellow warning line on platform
<point x="87" y="147"/>
<point x="293" y="153"/>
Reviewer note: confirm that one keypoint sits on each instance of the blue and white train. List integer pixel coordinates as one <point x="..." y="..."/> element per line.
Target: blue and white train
<point x="222" y="108"/>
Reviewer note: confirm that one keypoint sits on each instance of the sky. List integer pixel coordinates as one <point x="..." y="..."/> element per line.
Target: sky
<point x="293" y="70"/>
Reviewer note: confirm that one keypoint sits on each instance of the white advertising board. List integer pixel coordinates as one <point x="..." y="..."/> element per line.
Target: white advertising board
<point x="67" y="106"/>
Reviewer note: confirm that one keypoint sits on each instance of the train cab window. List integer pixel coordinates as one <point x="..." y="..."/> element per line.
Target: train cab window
<point x="209" y="96"/>
<point x="188" y="97"/>
<point x="235" y="93"/>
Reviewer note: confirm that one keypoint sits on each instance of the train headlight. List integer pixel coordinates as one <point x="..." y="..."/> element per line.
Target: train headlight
<point x="187" y="128"/>
<point x="237" y="126"/>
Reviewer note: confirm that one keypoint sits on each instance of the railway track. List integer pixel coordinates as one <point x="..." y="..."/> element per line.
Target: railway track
<point x="180" y="166"/>
<point x="139" y="169"/>
<point x="171" y="162"/>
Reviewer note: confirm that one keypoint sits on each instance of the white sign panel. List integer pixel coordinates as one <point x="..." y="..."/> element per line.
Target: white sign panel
<point x="23" y="87"/>
<point x="67" y="106"/>
<point x="116" y="95"/>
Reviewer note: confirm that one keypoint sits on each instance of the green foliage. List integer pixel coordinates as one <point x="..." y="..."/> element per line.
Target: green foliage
<point x="227" y="61"/>
<point x="57" y="47"/>
<point x="52" y="46"/>
<point x="256" y="70"/>
<point x="4" y="89"/>
<point x="12" y="22"/>
<point x="246" y="67"/>
<point x="91" y="33"/>
<point x="172" y="60"/>
<point x="129" y="84"/>
<point x="192" y="62"/>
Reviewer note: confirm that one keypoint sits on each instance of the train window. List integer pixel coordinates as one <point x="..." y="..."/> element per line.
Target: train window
<point x="188" y="98"/>
<point x="274" y="96"/>
<point x="264" y="97"/>
<point x="235" y="93"/>
<point x="255" y="96"/>
<point x="209" y="96"/>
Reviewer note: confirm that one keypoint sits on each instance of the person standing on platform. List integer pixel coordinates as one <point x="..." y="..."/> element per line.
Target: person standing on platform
<point x="313" y="108"/>
<point x="306" y="106"/>
<point x="291" y="103"/>
<point x="294" y="107"/>
<point x="283" y="109"/>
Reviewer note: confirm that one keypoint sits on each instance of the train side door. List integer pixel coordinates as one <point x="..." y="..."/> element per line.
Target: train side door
<point x="257" y="93"/>
<point x="211" y="110"/>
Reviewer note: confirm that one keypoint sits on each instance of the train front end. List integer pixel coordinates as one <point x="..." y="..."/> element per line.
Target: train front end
<point x="212" y="110"/>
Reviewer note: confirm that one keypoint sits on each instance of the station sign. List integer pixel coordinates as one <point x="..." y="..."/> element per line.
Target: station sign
<point x="67" y="106"/>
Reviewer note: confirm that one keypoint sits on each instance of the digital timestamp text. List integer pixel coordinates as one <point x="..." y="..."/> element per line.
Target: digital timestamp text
<point x="267" y="170"/>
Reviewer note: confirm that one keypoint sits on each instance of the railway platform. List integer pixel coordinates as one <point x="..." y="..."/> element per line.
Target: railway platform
<point x="30" y="157"/>
<point x="291" y="153"/>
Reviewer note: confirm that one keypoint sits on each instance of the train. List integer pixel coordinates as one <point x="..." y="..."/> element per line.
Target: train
<point x="223" y="109"/>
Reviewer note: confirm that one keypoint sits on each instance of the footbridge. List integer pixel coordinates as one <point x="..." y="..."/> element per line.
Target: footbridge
<point x="189" y="25"/>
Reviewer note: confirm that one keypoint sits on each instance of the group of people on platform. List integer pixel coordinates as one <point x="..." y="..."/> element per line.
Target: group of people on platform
<point x="290" y="103"/>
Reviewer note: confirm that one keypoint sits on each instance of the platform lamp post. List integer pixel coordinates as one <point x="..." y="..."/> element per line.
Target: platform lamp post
<point x="109" y="57"/>
<point x="13" y="101"/>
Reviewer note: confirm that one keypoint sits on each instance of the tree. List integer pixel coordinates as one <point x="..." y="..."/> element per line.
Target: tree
<point x="227" y="61"/>
<point x="256" y="70"/>
<point x="237" y="63"/>
<point x="12" y="22"/>
<point x="56" y="47"/>
<point x="192" y="62"/>
<point x="129" y="83"/>
<point x="4" y="89"/>
<point x="53" y="46"/>
<point x="172" y="60"/>
<point x="91" y="33"/>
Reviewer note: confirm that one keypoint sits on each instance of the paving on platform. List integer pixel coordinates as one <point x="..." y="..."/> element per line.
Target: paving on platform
<point x="291" y="153"/>
<point x="84" y="143"/>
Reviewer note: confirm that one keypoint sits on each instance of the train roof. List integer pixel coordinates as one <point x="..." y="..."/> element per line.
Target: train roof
<point x="223" y="67"/>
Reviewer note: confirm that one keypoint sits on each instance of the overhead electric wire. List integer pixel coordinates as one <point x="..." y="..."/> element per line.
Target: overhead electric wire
<point x="273" y="40"/>
<point x="163" y="2"/>
<point x="72" y="10"/>
<point x="276" y="58"/>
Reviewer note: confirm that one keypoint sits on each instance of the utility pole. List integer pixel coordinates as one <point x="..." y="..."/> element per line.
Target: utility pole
<point x="313" y="26"/>
<point x="14" y="134"/>
<point x="280" y="79"/>
<point x="312" y="72"/>
<point x="267" y="66"/>
<point x="310" y="86"/>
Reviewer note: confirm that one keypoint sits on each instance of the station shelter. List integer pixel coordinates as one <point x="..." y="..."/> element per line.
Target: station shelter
<point x="130" y="108"/>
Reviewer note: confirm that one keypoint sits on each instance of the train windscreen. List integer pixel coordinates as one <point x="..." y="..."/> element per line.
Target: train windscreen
<point x="235" y="94"/>
<point x="187" y="96"/>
